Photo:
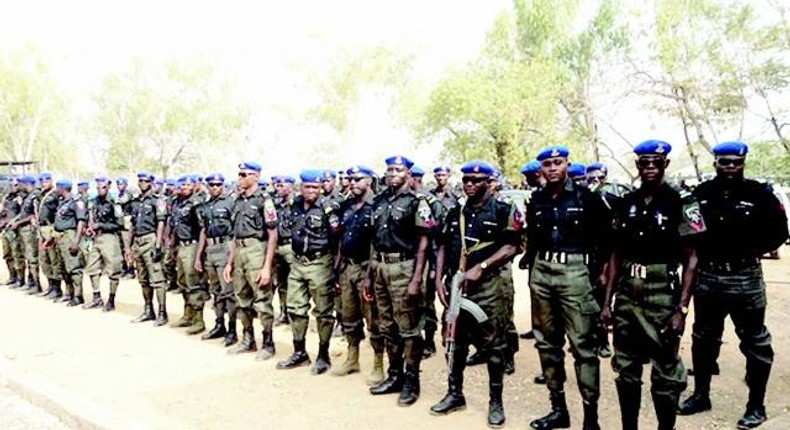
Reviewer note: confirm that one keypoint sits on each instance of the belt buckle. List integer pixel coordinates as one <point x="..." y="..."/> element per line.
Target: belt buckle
<point x="638" y="271"/>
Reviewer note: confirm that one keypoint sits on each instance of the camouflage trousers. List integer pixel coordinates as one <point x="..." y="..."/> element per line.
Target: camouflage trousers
<point x="311" y="280"/>
<point x="49" y="256"/>
<point x="29" y="236"/>
<point x="190" y="280"/>
<point x="489" y="337"/>
<point x="215" y="262"/>
<point x="13" y="253"/>
<point x="251" y="298"/>
<point x="104" y="256"/>
<point x="283" y="259"/>
<point x="72" y="263"/>
<point x="563" y="305"/>
<point x="355" y="308"/>
<point x="643" y="308"/>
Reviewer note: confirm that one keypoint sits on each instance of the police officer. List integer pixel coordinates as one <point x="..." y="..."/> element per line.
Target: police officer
<point x="284" y="200"/>
<point x="124" y="199"/>
<point x="184" y="233"/>
<point x="27" y="224"/>
<point x="12" y="247"/>
<point x="70" y="220"/>
<point x="578" y="173"/>
<point x="479" y="239"/>
<point x="49" y="257"/>
<point x="345" y="185"/>
<point x="146" y="236"/>
<point x="105" y="222"/>
<point x="744" y="220"/>
<point x="430" y="314"/>
<point x="352" y="262"/>
<point x="565" y="224"/>
<point x="403" y="221"/>
<point x="314" y="240"/>
<point x="170" y="261"/>
<point x="443" y="191"/>
<point x="329" y="188"/>
<point x="532" y="177"/>
<point x="250" y="262"/>
<point x="216" y="232"/>
<point x="653" y="235"/>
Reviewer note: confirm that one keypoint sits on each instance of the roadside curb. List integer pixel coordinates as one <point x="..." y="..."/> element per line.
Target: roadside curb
<point x="69" y="408"/>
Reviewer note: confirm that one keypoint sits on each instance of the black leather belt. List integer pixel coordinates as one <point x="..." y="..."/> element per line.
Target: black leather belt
<point x="309" y="258"/>
<point x="218" y="240"/>
<point x="560" y="256"/>
<point x="393" y="257"/>
<point x="730" y="266"/>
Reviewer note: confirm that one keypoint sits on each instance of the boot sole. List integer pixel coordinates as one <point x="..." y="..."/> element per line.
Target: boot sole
<point x="556" y="426"/>
<point x="303" y="364"/>
<point x="407" y="404"/>
<point x="499" y="426"/>
<point x="447" y="412"/>
<point x="346" y="372"/>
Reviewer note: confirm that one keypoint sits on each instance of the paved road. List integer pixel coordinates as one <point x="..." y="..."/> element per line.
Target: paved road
<point x="19" y="414"/>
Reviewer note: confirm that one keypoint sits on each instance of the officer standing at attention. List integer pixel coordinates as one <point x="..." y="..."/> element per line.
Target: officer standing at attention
<point x="184" y="233"/>
<point x="403" y="221"/>
<point x="49" y="257"/>
<point x="26" y="223"/>
<point x="216" y="233"/>
<point x="314" y="231"/>
<point x="125" y="200"/>
<point x="654" y="233"/>
<point x="443" y="191"/>
<point x="565" y="224"/>
<point x="70" y="220"/>
<point x="578" y="173"/>
<point x="250" y="261"/>
<point x="146" y="236"/>
<point x="284" y="200"/>
<point x="351" y="264"/>
<point x="745" y="220"/>
<point x="105" y="221"/>
<point x="12" y="247"/>
<point x="479" y="238"/>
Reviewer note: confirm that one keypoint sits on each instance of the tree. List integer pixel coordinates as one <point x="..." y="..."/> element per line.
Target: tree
<point x="166" y="117"/>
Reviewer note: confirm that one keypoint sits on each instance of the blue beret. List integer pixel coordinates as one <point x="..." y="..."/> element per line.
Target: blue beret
<point x="28" y="179"/>
<point x="577" y="169"/>
<point x="122" y="180"/>
<point x="553" y="151"/>
<point x="329" y="173"/>
<point x="250" y="165"/>
<point x="159" y="181"/>
<point x="63" y="183"/>
<point x="416" y="171"/>
<point x="653" y="147"/>
<point x="83" y="184"/>
<point x="597" y="166"/>
<point x="170" y="182"/>
<point x="478" y="167"/>
<point x="102" y="180"/>
<point x="185" y="179"/>
<point x="263" y="183"/>
<point x="399" y="160"/>
<point x="145" y="175"/>
<point x="312" y="176"/>
<point x="731" y="148"/>
<point x="279" y="179"/>
<point x="531" y="168"/>
<point x="45" y="176"/>
<point x="360" y="169"/>
<point x="215" y="177"/>
<point x="441" y="169"/>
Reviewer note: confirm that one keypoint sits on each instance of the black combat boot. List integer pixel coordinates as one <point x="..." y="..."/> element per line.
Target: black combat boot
<point x="297" y="359"/>
<point x="591" y="416"/>
<point x="97" y="302"/>
<point x="476" y="359"/>
<point x="454" y="400"/>
<point x="75" y="301"/>
<point x="527" y="335"/>
<point x="429" y="348"/>
<point x="247" y="343"/>
<point x="496" y="408"/>
<point x="110" y="306"/>
<point x="411" y="386"/>
<point x="282" y="319"/>
<point x="757" y="377"/>
<point x="231" y="337"/>
<point x="666" y="406"/>
<point x="322" y="363"/>
<point x="147" y="315"/>
<point x="217" y="332"/>
<point x="161" y="317"/>
<point x="35" y="287"/>
<point x="394" y="382"/>
<point x="698" y="402"/>
<point x="630" y="396"/>
<point x="267" y="347"/>
<point x="558" y="418"/>
<point x="54" y="289"/>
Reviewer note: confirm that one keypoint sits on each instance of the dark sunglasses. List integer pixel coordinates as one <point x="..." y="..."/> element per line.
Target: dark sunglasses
<point x="215" y="184"/>
<point x="647" y="162"/>
<point x="356" y="178"/>
<point x="144" y="180"/>
<point x="724" y="162"/>
<point x="244" y="174"/>
<point x="474" y="179"/>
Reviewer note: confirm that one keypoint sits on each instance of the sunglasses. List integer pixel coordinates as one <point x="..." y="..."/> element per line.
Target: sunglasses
<point x="215" y="184"/>
<point x="356" y="178"/>
<point x="552" y="162"/>
<point x="473" y="179"/>
<point x="644" y="163"/>
<point x="724" y="162"/>
<point x="146" y="181"/>
<point x="244" y="174"/>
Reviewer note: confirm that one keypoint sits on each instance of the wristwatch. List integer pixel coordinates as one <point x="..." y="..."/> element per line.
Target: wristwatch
<point x="484" y="265"/>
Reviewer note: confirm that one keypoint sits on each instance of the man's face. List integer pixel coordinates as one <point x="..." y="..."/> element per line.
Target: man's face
<point x="554" y="169"/>
<point x="248" y="179"/>
<point x="311" y="191"/>
<point x="475" y="185"/>
<point x="171" y="189"/>
<point x="344" y="181"/>
<point x="284" y="189"/>
<point x="83" y="190"/>
<point x="63" y="191"/>
<point x="102" y="188"/>
<point x="215" y="188"/>
<point x="328" y="184"/>
<point x="46" y="184"/>
<point x="533" y="179"/>
<point x="596" y="177"/>
<point x="185" y="189"/>
<point x="360" y="184"/>
<point x="651" y="168"/>
<point x="493" y="185"/>
<point x="397" y="176"/>
<point x="122" y="187"/>
<point x="28" y="187"/>
<point x="144" y="184"/>
<point x="441" y="178"/>
<point x="416" y="183"/>
<point x="729" y="167"/>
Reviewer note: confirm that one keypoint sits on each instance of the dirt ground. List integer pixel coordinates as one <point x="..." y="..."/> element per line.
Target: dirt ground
<point x="146" y="377"/>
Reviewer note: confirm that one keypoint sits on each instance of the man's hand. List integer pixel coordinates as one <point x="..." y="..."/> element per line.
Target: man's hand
<point x="413" y="291"/>
<point x="264" y="277"/>
<point x="473" y="275"/>
<point x="128" y="256"/>
<point x="677" y="324"/>
<point x="228" y="272"/>
<point x="441" y="291"/>
<point x="198" y="265"/>
<point x="606" y="316"/>
<point x="156" y="254"/>
<point x="367" y="288"/>
<point x="74" y="248"/>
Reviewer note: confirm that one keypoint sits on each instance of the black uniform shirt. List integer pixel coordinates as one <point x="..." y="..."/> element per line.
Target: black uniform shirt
<point x="314" y="229"/>
<point x="400" y="219"/>
<point x="253" y="215"/>
<point x="105" y="214"/>
<point x="69" y="213"/>
<point x="48" y="207"/>
<point x="184" y="221"/>
<point x="357" y="225"/>
<point x="216" y="216"/>
<point x="284" y="215"/>
<point x="31" y="201"/>
<point x="147" y="211"/>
